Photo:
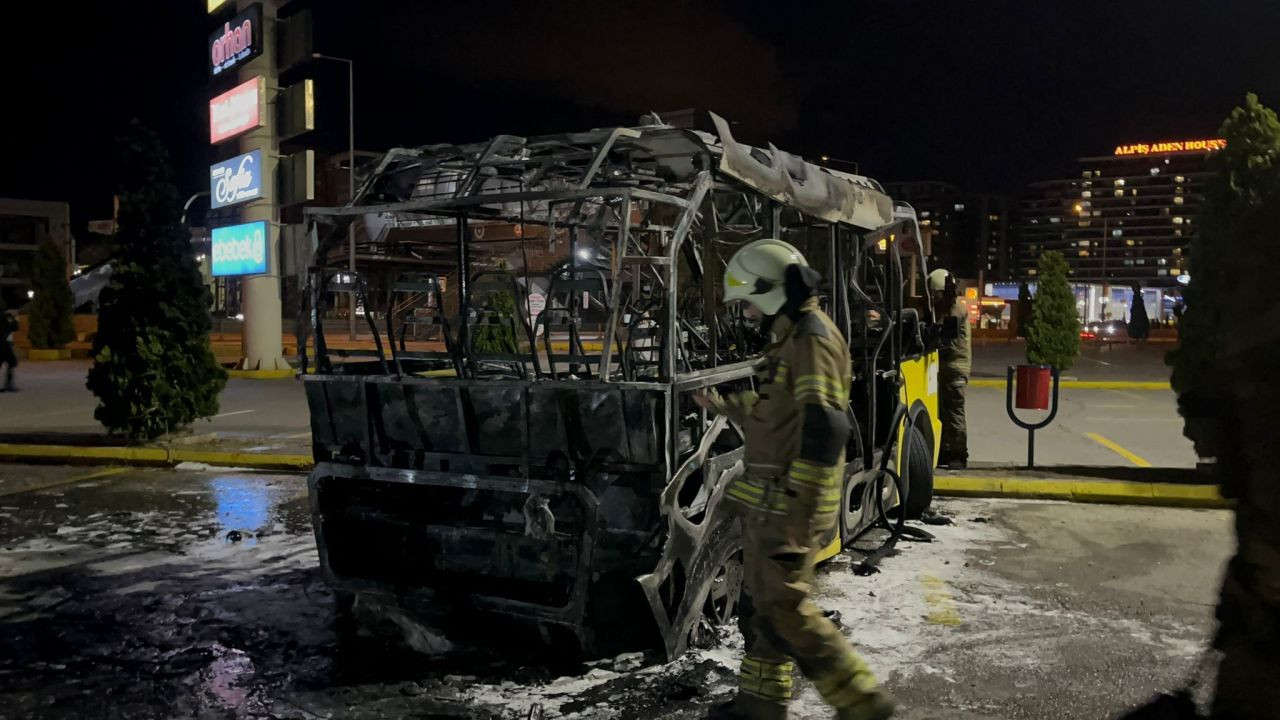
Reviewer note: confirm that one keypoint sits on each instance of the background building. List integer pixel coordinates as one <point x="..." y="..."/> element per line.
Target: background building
<point x="970" y="231"/>
<point x="1124" y="218"/>
<point x="23" y="225"/>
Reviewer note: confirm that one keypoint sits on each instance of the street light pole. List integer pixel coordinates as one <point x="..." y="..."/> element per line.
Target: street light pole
<point x="351" y="184"/>
<point x="1106" y="289"/>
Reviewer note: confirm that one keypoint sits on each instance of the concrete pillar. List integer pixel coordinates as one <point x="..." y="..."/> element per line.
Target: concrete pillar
<point x="260" y="337"/>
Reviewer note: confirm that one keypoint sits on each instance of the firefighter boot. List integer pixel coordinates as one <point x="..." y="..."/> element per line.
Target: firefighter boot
<point x="875" y="705"/>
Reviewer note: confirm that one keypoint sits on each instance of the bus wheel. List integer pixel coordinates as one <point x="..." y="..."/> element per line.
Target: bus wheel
<point x="919" y="475"/>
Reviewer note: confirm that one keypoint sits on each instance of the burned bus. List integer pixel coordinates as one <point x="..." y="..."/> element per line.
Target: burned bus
<point x="518" y="445"/>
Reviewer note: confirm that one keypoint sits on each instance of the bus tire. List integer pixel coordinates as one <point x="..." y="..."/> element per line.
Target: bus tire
<point x="919" y="474"/>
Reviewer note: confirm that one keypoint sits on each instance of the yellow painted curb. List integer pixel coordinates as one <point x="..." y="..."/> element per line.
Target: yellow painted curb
<point x="40" y="355"/>
<point x="66" y="453"/>
<point x="262" y="374"/>
<point x="1096" y="491"/>
<point x="590" y="346"/>
<point x="153" y="456"/>
<point x="1087" y="384"/>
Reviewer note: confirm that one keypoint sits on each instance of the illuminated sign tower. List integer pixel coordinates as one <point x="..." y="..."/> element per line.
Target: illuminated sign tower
<point x="243" y="46"/>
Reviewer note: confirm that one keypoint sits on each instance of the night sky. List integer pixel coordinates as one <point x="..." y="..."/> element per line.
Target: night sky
<point x="988" y="94"/>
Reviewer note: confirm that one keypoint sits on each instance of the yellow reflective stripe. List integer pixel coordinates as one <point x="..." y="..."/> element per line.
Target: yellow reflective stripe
<point x="818" y="476"/>
<point x="766" y="680"/>
<point x="846" y="683"/>
<point x="737" y="494"/>
<point x="821" y="387"/>
<point x="766" y="669"/>
<point x="824" y="382"/>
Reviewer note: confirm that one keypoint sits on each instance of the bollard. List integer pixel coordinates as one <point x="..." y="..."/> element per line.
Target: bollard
<point x="1030" y="428"/>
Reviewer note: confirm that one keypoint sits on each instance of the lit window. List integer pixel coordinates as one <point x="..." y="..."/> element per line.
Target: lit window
<point x="1055" y="220"/>
<point x="1133" y="192"/>
<point x="1032" y="271"/>
<point x="1088" y="173"/>
<point x="1035" y="221"/>
<point x="1179" y="179"/>
<point x="1178" y="200"/>
<point x="1083" y="243"/>
<point x="1119" y="182"/>
<point x="1177" y="252"/>
<point x="926" y="223"/>
<point x="1177" y="233"/>
<point x="1140" y="261"/>
<point x="1177" y="219"/>
<point x="959" y="207"/>
<point x="1162" y="261"/>
<point x="1155" y="171"/>
<point x="924" y="214"/>
<point x="1084" y="253"/>
<point x="1129" y="243"/>
<point x="1128" y="263"/>
<point x="1117" y="232"/>
<point x="1119" y="192"/>
<point x="1086" y="194"/>
<point x="1175" y="271"/>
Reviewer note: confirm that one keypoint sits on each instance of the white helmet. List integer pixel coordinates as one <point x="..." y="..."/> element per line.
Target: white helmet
<point x="938" y="280"/>
<point x="757" y="273"/>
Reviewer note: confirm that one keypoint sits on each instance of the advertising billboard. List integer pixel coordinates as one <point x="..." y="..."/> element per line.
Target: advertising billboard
<point x="240" y="249"/>
<point x="237" y="110"/>
<point x="238" y="41"/>
<point x="236" y="180"/>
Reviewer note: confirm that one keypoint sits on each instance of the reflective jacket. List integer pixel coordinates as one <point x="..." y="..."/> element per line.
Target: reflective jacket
<point x="796" y="426"/>
<point x="957" y="355"/>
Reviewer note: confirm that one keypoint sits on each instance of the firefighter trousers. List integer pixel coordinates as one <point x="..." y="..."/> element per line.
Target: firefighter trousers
<point x="783" y="628"/>
<point x="955" y="433"/>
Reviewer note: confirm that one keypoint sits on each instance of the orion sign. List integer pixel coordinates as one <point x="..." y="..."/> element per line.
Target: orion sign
<point x="238" y="41"/>
<point x="236" y="180"/>
<point x="237" y="110"/>
<point x="240" y="249"/>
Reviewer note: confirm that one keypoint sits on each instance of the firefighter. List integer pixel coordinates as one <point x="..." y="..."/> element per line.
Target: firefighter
<point x="953" y="375"/>
<point x="796" y="430"/>
<point x="8" y="357"/>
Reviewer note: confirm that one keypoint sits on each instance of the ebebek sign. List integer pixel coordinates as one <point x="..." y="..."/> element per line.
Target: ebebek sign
<point x="237" y="110"/>
<point x="238" y="41"/>
<point x="236" y="180"/>
<point x="240" y="249"/>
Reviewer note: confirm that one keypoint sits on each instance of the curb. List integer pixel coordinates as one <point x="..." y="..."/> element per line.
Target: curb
<point x="1087" y="384"/>
<point x="263" y="374"/>
<point x="1084" y="491"/>
<point x="152" y="457"/>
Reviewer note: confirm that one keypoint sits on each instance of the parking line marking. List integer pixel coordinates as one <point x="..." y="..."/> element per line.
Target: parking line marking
<point x="236" y="412"/>
<point x="942" y="606"/>
<point x="1113" y="447"/>
<point x="68" y="481"/>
